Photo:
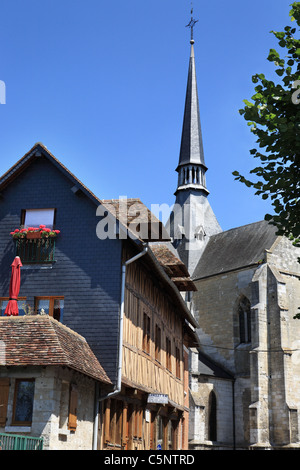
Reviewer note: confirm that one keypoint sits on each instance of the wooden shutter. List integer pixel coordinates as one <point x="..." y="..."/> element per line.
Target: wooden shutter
<point x="72" y="424"/>
<point x="4" y="390"/>
<point x="140" y="423"/>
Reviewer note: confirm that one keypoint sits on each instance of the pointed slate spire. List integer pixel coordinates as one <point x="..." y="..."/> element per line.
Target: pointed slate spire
<point x="191" y="166"/>
<point x="192" y="221"/>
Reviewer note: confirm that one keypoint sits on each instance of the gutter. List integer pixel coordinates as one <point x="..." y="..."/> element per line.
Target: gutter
<point x="117" y="389"/>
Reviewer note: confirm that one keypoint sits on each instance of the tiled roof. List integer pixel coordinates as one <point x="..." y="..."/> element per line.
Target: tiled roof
<point x="40" y="340"/>
<point x="174" y="267"/>
<point x="139" y="220"/>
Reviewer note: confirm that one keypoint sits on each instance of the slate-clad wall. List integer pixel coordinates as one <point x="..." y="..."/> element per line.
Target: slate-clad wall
<point x="87" y="270"/>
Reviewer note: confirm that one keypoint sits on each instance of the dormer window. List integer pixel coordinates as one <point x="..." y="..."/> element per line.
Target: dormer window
<point x="200" y="233"/>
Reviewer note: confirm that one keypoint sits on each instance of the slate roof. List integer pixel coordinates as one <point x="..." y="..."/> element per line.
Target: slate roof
<point x="236" y="248"/>
<point x="119" y="210"/>
<point x="191" y="149"/>
<point x="208" y="367"/>
<point x="39" y="340"/>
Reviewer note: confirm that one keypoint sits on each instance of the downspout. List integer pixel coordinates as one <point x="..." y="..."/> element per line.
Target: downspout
<point x="117" y="389"/>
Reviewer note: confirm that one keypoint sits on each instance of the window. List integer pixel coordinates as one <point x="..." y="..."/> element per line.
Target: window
<point x="23" y="308"/>
<point x="212" y="417"/>
<point x="37" y="250"/>
<point x="37" y="217"/>
<point x="146" y="334"/>
<point x="244" y="312"/>
<point x="159" y="431"/>
<point x="53" y="306"/>
<point x="172" y="434"/>
<point x="178" y="375"/>
<point x="168" y="354"/>
<point x="23" y="402"/>
<point x="157" y="343"/>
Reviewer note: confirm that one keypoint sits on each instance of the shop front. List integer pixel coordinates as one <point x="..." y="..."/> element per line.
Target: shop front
<point x="135" y="420"/>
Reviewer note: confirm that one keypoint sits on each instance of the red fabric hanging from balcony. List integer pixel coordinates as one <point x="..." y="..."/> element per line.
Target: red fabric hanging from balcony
<point x="14" y="288"/>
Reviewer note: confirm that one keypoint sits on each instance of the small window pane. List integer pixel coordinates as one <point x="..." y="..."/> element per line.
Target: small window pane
<point x="43" y="306"/>
<point x="24" y="401"/>
<point x="53" y="306"/>
<point x="21" y="306"/>
<point x="37" y="217"/>
<point x="58" y="309"/>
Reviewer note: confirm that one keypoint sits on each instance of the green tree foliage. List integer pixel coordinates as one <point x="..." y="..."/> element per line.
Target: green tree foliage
<point x="274" y="117"/>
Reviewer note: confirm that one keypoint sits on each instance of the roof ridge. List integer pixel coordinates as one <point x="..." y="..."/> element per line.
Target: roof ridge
<point x="39" y="317"/>
<point x="42" y="340"/>
<point x="121" y="199"/>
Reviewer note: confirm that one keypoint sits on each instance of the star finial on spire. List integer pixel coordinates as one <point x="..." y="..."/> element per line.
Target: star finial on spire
<point x="192" y="24"/>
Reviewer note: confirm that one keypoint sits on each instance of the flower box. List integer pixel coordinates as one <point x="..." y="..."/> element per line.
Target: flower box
<point x="34" y="233"/>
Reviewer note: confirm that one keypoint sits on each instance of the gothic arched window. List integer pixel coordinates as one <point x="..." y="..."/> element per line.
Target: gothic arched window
<point x="244" y="312"/>
<point x="212" y="417"/>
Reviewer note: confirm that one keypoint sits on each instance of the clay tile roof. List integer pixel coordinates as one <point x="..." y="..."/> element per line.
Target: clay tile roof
<point x="139" y="220"/>
<point x="174" y="267"/>
<point x="42" y="341"/>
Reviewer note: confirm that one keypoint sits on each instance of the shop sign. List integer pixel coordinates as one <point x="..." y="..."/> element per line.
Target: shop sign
<point x="158" y="398"/>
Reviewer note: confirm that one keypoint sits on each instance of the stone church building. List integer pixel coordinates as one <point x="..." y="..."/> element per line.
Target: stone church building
<point x="245" y="377"/>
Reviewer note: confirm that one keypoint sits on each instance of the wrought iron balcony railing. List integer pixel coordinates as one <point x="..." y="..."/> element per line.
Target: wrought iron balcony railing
<point x="36" y="251"/>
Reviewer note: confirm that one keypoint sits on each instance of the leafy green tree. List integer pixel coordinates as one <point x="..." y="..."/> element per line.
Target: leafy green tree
<point x="274" y="117"/>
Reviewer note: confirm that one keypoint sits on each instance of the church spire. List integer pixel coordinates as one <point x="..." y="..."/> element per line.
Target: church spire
<point x="192" y="220"/>
<point x="191" y="166"/>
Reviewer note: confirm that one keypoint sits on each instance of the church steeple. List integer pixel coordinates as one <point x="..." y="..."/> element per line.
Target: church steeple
<point x="192" y="220"/>
<point x="191" y="166"/>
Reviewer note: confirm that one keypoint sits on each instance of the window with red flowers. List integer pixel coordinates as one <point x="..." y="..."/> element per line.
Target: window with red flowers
<point x="35" y="238"/>
<point x="37" y="217"/>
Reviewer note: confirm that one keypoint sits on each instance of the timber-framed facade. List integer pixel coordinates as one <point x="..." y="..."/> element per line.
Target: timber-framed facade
<point x="151" y="411"/>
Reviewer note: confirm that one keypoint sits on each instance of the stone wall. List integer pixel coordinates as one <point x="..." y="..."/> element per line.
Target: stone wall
<point x="51" y="406"/>
<point x="267" y="369"/>
<point x="201" y="387"/>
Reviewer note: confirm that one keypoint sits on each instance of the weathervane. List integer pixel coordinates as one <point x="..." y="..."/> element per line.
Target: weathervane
<point x="192" y="24"/>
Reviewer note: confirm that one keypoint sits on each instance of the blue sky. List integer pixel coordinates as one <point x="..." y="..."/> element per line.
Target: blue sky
<point x="102" y="85"/>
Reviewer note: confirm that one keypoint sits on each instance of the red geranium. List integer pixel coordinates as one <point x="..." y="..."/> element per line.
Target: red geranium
<point x="43" y="230"/>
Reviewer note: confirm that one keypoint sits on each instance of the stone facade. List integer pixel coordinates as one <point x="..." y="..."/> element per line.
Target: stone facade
<point x="51" y="406"/>
<point x="264" y="395"/>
